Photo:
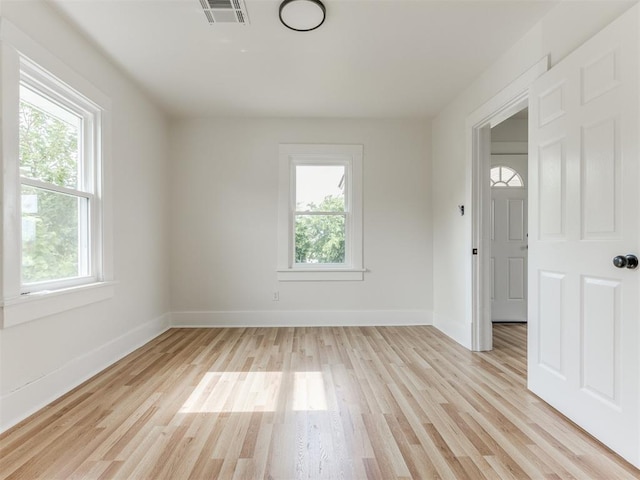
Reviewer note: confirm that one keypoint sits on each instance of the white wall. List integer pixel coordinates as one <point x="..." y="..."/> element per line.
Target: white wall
<point x="44" y="358"/>
<point x="509" y="145"/>
<point x="563" y="29"/>
<point x="511" y="130"/>
<point x="224" y="224"/>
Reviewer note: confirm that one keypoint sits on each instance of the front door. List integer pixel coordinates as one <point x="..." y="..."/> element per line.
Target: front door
<point x="508" y="239"/>
<point x="584" y="312"/>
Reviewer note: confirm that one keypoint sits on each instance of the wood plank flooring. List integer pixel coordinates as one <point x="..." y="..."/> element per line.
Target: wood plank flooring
<point x="292" y="403"/>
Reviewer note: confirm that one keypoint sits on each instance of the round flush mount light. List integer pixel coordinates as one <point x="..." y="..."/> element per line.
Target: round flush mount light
<point x="302" y="15"/>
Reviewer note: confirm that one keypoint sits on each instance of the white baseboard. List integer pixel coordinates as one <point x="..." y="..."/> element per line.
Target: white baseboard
<point x="19" y="404"/>
<point x="301" y="318"/>
<point x="457" y="331"/>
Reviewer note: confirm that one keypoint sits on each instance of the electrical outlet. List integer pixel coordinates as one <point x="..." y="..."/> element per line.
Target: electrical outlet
<point x="276" y="296"/>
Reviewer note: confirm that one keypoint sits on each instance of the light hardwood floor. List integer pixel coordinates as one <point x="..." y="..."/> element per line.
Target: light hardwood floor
<point x="288" y="403"/>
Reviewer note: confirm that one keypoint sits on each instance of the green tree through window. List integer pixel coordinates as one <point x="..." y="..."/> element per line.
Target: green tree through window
<point x="50" y="220"/>
<point x="321" y="238"/>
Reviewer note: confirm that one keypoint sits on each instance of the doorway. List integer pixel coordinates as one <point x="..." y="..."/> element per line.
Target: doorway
<point x="508" y="178"/>
<point x="512" y="100"/>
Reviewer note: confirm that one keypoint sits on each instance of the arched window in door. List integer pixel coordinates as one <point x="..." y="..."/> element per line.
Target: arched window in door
<point x="502" y="176"/>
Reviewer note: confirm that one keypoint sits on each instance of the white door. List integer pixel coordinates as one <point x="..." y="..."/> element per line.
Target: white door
<point x="584" y="313"/>
<point x="508" y="240"/>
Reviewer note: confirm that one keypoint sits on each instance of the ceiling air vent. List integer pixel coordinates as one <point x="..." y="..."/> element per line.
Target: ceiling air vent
<point x="225" y="11"/>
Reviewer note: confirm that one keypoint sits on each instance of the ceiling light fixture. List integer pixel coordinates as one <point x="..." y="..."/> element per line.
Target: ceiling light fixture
<point x="302" y="15"/>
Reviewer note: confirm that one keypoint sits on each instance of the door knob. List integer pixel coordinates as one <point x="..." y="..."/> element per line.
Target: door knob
<point x="626" y="261"/>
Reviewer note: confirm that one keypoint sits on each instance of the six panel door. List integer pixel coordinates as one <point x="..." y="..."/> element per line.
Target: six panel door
<point x="584" y="313"/>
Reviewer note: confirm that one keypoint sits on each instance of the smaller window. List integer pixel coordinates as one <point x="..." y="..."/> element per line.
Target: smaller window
<point x="320" y="215"/>
<point x="505" y="177"/>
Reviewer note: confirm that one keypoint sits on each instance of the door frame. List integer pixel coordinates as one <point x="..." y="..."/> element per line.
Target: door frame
<point x="510" y="100"/>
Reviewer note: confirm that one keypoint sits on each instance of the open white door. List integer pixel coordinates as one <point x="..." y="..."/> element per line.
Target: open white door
<point x="584" y="313"/>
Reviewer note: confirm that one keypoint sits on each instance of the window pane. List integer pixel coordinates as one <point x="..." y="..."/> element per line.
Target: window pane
<point x="320" y="188"/>
<point x="495" y="174"/>
<point x="49" y="141"/>
<point x="320" y="239"/>
<point x="515" y="181"/>
<point x="54" y="235"/>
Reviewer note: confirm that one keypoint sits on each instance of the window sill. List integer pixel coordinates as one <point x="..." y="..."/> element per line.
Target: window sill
<point x="321" y="275"/>
<point x="33" y="306"/>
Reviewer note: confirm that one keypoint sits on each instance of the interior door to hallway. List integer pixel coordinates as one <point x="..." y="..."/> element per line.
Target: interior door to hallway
<point x="584" y="171"/>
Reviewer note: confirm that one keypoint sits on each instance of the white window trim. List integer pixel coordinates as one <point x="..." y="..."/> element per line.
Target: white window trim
<point x="45" y="303"/>
<point x="18" y="51"/>
<point x="291" y="155"/>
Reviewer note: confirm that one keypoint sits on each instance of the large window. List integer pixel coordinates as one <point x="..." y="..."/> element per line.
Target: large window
<point x="57" y="247"/>
<point x="58" y="165"/>
<point x="320" y="212"/>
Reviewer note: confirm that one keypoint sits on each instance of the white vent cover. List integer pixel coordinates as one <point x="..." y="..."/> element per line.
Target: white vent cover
<point x="225" y="11"/>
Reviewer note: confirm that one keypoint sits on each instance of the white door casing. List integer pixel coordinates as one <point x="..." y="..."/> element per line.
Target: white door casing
<point x="509" y="228"/>
<point x="506" y="103"/>
<point x="584" y="313"/>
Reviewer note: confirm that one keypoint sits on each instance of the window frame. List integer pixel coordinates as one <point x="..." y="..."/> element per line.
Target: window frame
<point x="18" y="52"/>
<point x="313" y="161"/>
<point x="349" y="156"/>
<point x="43" y="84"/>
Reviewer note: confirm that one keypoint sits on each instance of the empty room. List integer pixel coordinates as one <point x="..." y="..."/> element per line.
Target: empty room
<point x="320" y="239"/>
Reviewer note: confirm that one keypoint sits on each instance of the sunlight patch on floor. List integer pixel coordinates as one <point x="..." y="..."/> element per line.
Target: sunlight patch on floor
<point x="237" y="392"/>
<point x="308" y="392"/>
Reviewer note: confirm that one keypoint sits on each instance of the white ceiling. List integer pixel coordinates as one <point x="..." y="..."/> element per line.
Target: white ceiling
<point x="371" y="58"/>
